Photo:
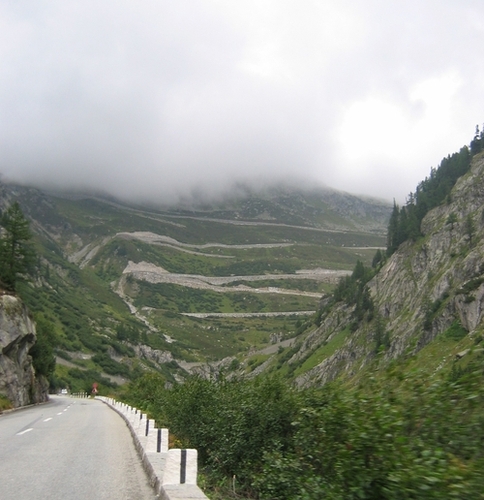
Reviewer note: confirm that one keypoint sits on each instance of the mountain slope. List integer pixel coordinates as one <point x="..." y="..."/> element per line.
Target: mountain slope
<point x="429" y="289"/>
<point x="129" y="289"/>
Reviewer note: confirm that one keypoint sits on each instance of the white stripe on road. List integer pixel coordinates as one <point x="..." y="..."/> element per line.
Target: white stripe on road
<point x="47" y="419"/>
<point x="23" y="432"/>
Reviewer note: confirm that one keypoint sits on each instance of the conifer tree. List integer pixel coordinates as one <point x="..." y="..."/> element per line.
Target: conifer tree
<point x="393" y="227"/>
<point x="16" y="253"/>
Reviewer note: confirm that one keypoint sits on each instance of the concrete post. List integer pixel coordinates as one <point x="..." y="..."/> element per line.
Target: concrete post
<point x="140" y="421"/>
<point x="157" y="441"/>
<point x="180" y="467"/>
<point x="147" y="427"/>
<point x="132" y="414"/>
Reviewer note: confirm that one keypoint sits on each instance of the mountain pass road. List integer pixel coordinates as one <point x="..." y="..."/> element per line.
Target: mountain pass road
<point x="69" y="449"/>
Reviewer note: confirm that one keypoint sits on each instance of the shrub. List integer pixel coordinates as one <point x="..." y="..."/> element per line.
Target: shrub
<point x="422" y="442"/>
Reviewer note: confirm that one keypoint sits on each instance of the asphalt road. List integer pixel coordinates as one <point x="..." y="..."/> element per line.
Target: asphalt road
<point x="69" y="449"/>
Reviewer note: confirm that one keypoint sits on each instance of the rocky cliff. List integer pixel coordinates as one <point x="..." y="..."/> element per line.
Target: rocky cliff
<point x="18" y="381"/>
<point x="423" y="289"/>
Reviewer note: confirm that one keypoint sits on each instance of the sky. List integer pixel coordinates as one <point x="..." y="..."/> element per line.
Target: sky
<point x="160" y="100"/>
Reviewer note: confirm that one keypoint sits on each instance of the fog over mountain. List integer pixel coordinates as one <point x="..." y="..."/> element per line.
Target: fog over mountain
<point x="156" y="99"/>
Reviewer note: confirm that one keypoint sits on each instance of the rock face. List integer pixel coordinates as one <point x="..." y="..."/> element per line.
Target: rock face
<point x="17" y="335"/>
<point x="145" y="351"/>
<point x="422" y="289"/>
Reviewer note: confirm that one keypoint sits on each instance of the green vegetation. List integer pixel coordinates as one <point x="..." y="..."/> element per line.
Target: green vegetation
<point x="197" y="339"/>
<point x="399" y="436"/>
<point x="183" y="299"/>
<point x="84" y="245"/>
<point x="5" y="403"/>
<point x="434" y="190"/>
<point x="410" y="428"/>
<point x="42" y="351"/>
<point x="327" y="349"/>
<point x="352" y="291"/>
<point x="16" y="253"/>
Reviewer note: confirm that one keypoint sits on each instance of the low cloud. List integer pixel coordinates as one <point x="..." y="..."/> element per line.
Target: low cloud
<point x="157" y="100"/>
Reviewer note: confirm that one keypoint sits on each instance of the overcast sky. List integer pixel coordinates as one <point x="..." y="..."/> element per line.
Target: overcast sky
<point x="159" y="99"/>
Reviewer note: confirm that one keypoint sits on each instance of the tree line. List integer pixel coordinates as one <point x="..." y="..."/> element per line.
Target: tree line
<point x="435" y="189"/>
<point x="17" y="259"/>
<point x="17" y="255"/>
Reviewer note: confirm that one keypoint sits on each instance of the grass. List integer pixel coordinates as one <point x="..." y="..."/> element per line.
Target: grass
<point x="438" y="359"/>
<point x="98" y="218"/>
<point x="255" y="361"/>
<point x="114" y="256"/>
<point x="325" y="351"/>
<point x="181" y="299"/>
<point x="5" y="403"/>
<point x="215" y="338"/>
<point x="305" y="285"/>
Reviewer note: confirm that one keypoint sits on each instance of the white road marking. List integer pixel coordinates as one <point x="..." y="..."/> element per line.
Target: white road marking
<point x="59" y="413"/>
<point x="23" y="432"/>
<point x="47" y="419"/>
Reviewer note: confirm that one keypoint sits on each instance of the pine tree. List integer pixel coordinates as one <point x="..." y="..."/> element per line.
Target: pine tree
<point x="377" y="259"/>
<point x="476" y="143"/>
<point x="393" y="228"/>
<point x="16" y="253"/>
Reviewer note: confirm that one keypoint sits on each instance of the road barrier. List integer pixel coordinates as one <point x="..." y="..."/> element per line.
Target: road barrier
<point x="79" y="395"/>
<point x="172" y="472"/>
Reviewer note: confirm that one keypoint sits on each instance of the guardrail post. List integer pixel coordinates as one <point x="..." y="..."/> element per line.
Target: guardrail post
<point x="172" y="472"/>
<point x="180" y="467"/>
<point x="148" y="427"/>
<point x="157" y="441"/>
<point x="140" y="421"/>
<point x="132" y="413"/>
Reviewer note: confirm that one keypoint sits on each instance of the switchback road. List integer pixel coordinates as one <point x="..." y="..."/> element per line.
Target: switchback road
<point x="69" y="449"/>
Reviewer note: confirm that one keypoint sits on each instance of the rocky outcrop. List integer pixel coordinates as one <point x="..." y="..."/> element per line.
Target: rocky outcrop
<point x="147" y="352"/>
<point x="17" y="335"/>
<point x="422" y="289"/>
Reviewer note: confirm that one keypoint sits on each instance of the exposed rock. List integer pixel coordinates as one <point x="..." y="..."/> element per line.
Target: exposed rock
<point x="211" y="370"/>
<point x="147" y="352"/>
<point x="275" y="338"/>
<point x="461" y="354"/>
<point x="17" y="335"/>
<point x="442" y="272"/>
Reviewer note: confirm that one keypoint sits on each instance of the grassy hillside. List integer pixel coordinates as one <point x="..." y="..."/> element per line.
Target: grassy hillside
<point x="112" y="279"/>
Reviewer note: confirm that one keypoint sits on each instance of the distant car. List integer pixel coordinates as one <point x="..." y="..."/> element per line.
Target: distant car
<point x="63" y="391"/>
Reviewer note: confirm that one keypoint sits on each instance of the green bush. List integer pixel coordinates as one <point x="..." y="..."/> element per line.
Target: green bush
<point x="419" y="441"/>
<point x="5" y="403"/>
<point x="42" y="352"/>
<point x="110" y="366"/>
<point x="456" y="331"/>
<point x="82" y="380"/>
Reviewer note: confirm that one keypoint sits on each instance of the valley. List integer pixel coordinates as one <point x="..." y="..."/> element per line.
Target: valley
<point x="129" y="289"/>
<point x="321" y="338"/>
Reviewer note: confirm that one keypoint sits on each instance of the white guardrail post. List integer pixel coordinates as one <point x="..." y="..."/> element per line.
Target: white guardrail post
<point x="173" y="473"/>
<point x="180" y="467"/>
<point x="157" y="441"/>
